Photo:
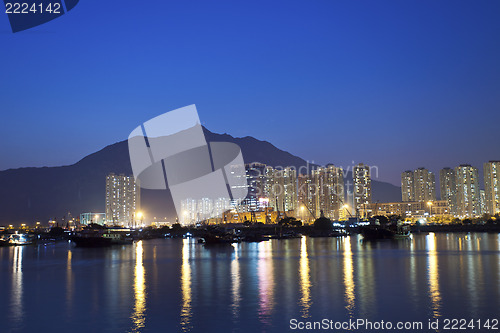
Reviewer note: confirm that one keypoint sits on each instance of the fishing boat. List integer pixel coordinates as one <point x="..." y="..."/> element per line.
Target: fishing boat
<point x="20" y="239"/>
<point x="286" y="235"/>
<point x="212" y="239"/>
<point x="118" y="236"/>
<point x="102" y="237"/>
<point x="378" y="231"/>
<point x="4" y="240"/>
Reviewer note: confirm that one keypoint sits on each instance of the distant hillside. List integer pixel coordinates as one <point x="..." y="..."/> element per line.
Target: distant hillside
<point x="38" y="194"/>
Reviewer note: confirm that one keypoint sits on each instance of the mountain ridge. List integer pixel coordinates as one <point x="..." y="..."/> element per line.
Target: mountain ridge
<point x="30" y="194"/>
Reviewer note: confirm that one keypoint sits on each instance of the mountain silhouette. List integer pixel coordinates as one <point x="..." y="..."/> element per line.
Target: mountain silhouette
<point x="39" y="194"/>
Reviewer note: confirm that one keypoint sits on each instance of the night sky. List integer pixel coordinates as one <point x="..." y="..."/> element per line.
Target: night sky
<point x="397" y="84"/>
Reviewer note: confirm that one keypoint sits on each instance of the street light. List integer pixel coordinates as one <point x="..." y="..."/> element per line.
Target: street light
<point x="429" y="203"/>
<point x="139" y="216"/>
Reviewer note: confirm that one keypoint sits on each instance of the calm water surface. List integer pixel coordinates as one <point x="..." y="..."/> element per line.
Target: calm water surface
<point x="177" y="285"/>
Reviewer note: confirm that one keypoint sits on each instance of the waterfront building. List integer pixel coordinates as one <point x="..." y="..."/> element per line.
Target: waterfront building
<point x="407" y="189"/>
<point x="348" y="210"/>
<point x="329" y="182"/>
<point x="122" y="200"/>
<point x="424" y="184"/>
<point x="281" y="188"/>
<point x="255" y="173"/>
<point x="482" y="202"/>
<point x="266" y="215"/>
<point x="448" y="186"/>
<point x="88" y="218"/>
<point x="412" y="209"/>
<point x="199" y="210"/>
<point x="418" y="185"/>
<point x="362" y="189"/>
<point x="468" y="195"/>
<point x="307" y="193"/>
<point x="492" y="186"/>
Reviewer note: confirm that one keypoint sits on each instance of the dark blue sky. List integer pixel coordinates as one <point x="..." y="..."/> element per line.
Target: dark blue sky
<point x="397" y="84"/>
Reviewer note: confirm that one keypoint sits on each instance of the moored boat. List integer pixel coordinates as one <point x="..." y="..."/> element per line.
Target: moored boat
<point x="212" y="239"/>
<point x="377" y="231"/>
<point x="4" y="241"/>
<point x="102" y="237"/>
<point x="20" y="239"/>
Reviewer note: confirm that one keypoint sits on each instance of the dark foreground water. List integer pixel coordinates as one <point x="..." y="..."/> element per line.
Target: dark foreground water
<point x="177" y="285"/>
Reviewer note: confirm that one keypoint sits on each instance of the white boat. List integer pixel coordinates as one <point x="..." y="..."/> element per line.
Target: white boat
<point x="20" y="239"/>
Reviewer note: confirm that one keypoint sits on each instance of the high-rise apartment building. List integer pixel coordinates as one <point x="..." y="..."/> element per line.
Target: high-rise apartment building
<point x="418" y="185"/>
<point x="307" y="197"/>
<point x="407" y="189"/>
<point x="448" y="186"/>
<point x="329" y="182"/>
<point x="256" y="179"/>
<point x="468" y="195"/>
<point x="362" y="189"/>
<point x="482" y="202"/>
<point x="281" y="188"/>
<point x="492" y="186"/>
<point x="122" y="199"/>
<point x="424" y="183"/>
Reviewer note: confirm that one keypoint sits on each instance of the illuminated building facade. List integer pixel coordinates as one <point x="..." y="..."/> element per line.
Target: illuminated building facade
<point x="418" y="185"/>
<point x="412" y="209"/>
<point x="424" y="183"/>
<point x="492" y="186"/>
<point x="362" y="189"/>
<point x="122" y="199"/>
<point x="468" y="195"/>
<point x="256" y="180"/>
<point x="88" y="218"/>
<point x="281" y="188"/>
<point x="198" y="210"/>
<point x="407" y="191"/>
<point x="448" y="186"/>
<point x="307" y="197"/>
<point x="329" y="182"/>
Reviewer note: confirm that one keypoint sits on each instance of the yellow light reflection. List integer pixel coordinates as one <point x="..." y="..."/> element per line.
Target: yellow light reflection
<point x="305" y="283"/>
<point x="413" y="269"/>
<point x="433" y="274"/>
<point x="266" y="281"/>
<point x="69" y="279"/>
<point x="235" y="283"/>
<point x="348" y="277"/>
<point x="17" y="284"/>
<point x="186" y="287"/>
<point x="139" y="317"/>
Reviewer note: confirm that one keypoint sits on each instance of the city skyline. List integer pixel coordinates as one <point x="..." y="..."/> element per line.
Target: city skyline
<point x="323" y="191"/>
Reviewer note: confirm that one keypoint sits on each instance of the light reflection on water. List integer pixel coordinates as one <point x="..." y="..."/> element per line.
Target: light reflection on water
<point x="349" y="278"/>
<point x="235" y="286"/>
<point x="433" y="274"/>
<point x="305" y="279"/>
<point x="186" y="287"/>
<point x="266" y="282"/>
<point x="138" y="316"/>
<point x="178" y="285"/>
<point x="16" y="308"/>
<point x="69" y="283"/>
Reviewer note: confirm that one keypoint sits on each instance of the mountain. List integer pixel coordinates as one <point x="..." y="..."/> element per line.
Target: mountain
<point x="39" y="194"/>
